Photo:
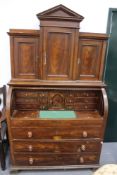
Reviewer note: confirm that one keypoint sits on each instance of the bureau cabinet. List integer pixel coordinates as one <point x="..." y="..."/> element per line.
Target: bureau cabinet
<point x="57" y="104"/>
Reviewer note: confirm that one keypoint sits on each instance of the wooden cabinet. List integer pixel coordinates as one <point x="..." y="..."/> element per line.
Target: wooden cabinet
<point x="56" y="69"/>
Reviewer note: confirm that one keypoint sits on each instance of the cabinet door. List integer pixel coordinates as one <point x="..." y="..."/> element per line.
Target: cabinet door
<point x="25" y="55"/>
<point x="90" y="59"/>
<point x="58" y="50"/>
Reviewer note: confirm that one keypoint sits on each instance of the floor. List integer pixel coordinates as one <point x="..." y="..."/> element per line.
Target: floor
<point x="108" y="155"/>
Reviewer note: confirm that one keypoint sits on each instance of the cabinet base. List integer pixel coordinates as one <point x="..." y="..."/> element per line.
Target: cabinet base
<point x="16" y="168"/>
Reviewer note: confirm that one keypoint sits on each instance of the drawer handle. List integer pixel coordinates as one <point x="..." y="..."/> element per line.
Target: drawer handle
<point x="29" y="134"/>
<point x="30" y="147"/>
<point x="83" y="147"/>
<point x="57" y="138"/>
<point x="84" y="134"/>
<point x="31" y="161"/>
<point x="81" y="160"/>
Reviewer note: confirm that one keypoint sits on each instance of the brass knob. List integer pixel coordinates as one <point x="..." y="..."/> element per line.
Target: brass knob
<point x="29" y="134"/>
<point x="81" y="160"/>
<point x="31" y="160"/>
<point x="84" y="134"/>
<point x="57" y="137"/>
<point x="83" y="147"/>
<point x="30" y="147"/>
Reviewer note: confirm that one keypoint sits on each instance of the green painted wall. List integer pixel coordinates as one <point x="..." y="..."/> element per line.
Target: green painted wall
<point x="110" y="76"/>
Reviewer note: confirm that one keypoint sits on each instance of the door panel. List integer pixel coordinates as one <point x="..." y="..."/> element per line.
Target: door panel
<point x="110" y="76"/>
<point x="58" y="54"/>
<point x="26" y="57"/>
<point x="89" y="59"/>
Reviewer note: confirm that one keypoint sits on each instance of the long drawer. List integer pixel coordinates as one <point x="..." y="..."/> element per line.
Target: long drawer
<point x="56" y="133"/>
<point x="56" y="146"/>
<point x="30" y="118"/>
<point x="55" y="159"/>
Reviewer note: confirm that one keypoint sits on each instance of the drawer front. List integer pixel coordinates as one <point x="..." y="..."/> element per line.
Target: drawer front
<point x="29" y="106"/>
<point x="56" y="133"/>
<point x="85" y="106"/>
<point x="54" y="123"/>
<point x="26" y="100"/>
<point x="86" y="93"/>
<point x="56" y="147"/>
<point x="85" y="100"/>
<point x="27" y="94"/>
<point x="55" y="159"/>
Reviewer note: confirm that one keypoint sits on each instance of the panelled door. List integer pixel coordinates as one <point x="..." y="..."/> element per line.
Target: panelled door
<point x="58" y="53"/>
<point x="26" y="56"/>
<point x="89" y="59"/>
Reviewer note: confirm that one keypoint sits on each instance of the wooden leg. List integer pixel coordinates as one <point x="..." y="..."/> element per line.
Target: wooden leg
<point x="3" y="165"/>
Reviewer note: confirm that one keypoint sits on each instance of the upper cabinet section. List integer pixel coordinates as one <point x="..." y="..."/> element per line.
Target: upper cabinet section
<point x="58" y="51"/>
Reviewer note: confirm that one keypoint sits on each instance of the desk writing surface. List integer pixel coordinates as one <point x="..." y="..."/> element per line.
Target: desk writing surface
<point x="57" y="114"/>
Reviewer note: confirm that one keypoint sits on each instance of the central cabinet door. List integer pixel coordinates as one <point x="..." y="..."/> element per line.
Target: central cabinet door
<point x="58" y="53"/>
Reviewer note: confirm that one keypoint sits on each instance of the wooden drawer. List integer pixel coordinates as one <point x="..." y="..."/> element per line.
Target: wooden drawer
<point x="86" y="93"/>
<point x="29" y="106"/>
<point x="27" y="101"/>
<point x="86" y="100"/>
<point x="55" y="159"/>
<point x="56" y="147"/>
<point x="92" y="119"/>
<point x="26" y="94"/>
<point x="56" y="133"/>
<point x="85" y="106"/>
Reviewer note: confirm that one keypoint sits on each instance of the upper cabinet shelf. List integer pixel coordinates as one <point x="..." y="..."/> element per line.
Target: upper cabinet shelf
<point x="58" y="51"/>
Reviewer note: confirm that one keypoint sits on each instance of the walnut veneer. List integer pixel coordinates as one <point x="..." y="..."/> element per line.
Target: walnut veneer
<point x="56" y="68"/>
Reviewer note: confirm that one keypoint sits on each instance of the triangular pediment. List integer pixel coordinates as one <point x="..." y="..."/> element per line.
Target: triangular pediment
<point x="60" y="12"/>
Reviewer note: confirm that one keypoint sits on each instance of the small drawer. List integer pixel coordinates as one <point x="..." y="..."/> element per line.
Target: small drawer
<point x="26" y="101"/>
<point x="26" y="94"/>
<point x="86" y="100"/>
<point x="85" y="106"/>
<point x="29" y="106"/>
<point x="56" y="147"/>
